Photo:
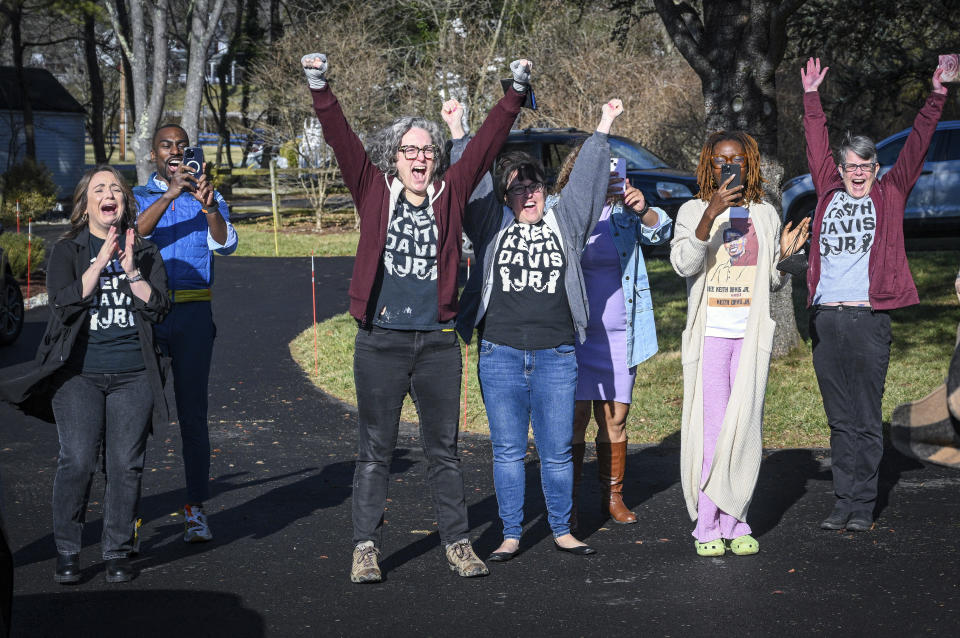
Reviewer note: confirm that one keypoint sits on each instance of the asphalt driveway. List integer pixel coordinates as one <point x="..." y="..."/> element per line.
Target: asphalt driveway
<point x="279" y="564"/>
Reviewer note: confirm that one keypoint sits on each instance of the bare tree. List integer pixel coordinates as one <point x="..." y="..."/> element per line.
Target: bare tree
<point x="136" y="49"/>
<point x="203" y="24"/>
<point x="735" y="49"/>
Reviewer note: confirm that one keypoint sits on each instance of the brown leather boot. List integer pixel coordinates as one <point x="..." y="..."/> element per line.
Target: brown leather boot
<point x="611" y="464"/>
<point x="578" y="452"/>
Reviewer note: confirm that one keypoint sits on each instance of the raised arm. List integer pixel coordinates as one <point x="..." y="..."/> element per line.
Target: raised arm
<point x="823" y="169"/>
<point x="482" y="150"/>
<point x="582" y="199"/>
<point x="483" y="212"/>
<point x="357" y="170"/>
<point x="906" y="170"/>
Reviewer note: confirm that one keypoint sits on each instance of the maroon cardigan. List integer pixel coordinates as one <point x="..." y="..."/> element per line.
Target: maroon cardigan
<point x="370" y="189"/>
<point x="891" y="284"/>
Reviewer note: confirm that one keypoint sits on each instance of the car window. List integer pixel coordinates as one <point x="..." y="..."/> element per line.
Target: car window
<point x="554" y="153"/>
<point x="887" y="155"/>
<point x="949" y="146"/>
<point x="638" y="158"/>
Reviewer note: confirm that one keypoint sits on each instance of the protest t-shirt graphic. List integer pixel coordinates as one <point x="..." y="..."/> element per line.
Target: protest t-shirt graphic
<point x="408" y="295"/>
<point x="731" y="271"/>
<point x="848" y="226"/>
<point x="528" y="304"/>
<point x="114" y="307"/>
<point x="846" y="235"/>
<point x="111" y="342"/>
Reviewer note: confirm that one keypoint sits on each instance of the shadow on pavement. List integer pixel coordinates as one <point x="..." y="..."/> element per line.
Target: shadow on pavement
<point x="135" y="613"/>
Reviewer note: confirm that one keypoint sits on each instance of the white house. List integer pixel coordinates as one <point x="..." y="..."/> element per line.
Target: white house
<point x="58" y="121"/>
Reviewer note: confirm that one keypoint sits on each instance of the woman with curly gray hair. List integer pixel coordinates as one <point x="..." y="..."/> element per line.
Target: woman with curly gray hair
<point x="403" y="295"/>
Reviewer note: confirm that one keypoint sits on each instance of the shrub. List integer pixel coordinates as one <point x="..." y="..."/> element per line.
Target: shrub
<point x="32" y="184"/>
<point x="15" y="248"/>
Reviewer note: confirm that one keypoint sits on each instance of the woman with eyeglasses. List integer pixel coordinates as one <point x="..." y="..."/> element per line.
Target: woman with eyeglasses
<point x="403" y="295"/>
<point x="726" y="244"/>
<point x="857" y="274"/>
<point x="530" y="308"/>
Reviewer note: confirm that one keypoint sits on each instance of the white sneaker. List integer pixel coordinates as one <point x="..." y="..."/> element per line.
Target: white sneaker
<point x="195" y="528"/>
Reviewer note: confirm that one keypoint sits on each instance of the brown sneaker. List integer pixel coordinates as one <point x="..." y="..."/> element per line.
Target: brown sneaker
<point x="366" y="568"/>
<point x="462" y="560"/>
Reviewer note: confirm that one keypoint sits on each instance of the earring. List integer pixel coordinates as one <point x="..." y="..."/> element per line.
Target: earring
<point x="83" y="219"/>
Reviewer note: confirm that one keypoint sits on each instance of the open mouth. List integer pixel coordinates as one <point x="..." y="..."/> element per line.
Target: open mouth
<point x="173" y="165"/>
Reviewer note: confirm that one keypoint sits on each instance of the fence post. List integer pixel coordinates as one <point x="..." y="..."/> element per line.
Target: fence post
<point x="276" y="211"/>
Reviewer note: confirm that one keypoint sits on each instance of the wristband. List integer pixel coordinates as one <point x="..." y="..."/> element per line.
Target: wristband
<point x="208" y="212"/>
<point x="643" y="211"/>
<point x="135" y="278"/>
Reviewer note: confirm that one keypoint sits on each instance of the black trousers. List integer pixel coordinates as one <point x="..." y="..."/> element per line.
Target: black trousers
<point x="388" y="364"/>
<point x="851" y="352"/>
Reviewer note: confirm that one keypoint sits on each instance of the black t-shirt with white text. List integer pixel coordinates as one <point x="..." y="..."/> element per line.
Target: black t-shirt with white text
<point x="408" y="292"/>
<point x="110" y="343"/>
<point x="528" y="308"/>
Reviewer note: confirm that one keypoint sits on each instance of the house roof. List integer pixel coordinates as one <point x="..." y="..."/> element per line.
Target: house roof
<point x="44" y="91"/>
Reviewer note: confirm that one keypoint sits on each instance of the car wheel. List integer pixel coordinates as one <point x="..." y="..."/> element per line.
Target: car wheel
<point x="11" y="311"/>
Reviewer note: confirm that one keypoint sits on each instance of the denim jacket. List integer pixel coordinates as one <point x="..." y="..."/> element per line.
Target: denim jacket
<point x="628" y="233"/>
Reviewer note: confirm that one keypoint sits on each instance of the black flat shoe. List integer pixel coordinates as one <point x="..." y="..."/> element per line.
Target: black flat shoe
<point x="502" y="557"/>
<point x="68" y="569"/>
<point x="119" y="570"/>
<point x="579" y="550"/>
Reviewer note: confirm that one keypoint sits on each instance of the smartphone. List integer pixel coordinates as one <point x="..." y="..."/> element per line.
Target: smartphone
<point x="950" y="63"/>
<point x="530" y="102"/>
<point x="726" y="171"/>
<point x="618" y="165"/>
<point x="193" y="160"/>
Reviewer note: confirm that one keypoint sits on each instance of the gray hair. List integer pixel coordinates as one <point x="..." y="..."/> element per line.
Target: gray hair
<point x="382" y="146"/>
<point x="862" y="145"/>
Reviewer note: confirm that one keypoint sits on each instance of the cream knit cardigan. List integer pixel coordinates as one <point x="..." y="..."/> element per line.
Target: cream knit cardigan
<point x="736" y="461"/>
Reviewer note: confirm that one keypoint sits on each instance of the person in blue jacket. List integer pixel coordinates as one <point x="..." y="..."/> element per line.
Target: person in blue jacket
<point x="189" y="221"/>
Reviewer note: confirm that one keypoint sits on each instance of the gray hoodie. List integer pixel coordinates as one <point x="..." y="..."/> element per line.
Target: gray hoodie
<point x="572" y="215"/>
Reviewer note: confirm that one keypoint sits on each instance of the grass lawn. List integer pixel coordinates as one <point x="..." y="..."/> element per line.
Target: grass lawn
<point x="923" y="342"/>
<point x="296" y="238"/>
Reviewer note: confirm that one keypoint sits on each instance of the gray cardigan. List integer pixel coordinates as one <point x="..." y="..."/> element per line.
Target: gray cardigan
<point x="572" y="215"/>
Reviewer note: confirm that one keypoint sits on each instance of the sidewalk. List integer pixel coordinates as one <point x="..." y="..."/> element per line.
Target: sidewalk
<point x="280" y="513"/>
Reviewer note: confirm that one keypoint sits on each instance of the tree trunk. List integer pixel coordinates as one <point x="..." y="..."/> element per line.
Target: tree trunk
<point x="96" y="88"/>
<point x="14" y="13"/>
<point x="146" y="118"/>
<point x="203" y="23"/>
<point x="735" y="50"/>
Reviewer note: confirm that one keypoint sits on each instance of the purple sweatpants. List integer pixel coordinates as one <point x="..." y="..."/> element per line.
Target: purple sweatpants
<point x="720" y="360"/>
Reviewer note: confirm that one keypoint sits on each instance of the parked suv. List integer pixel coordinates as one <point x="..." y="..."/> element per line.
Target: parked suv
<point x="933" y="208"/>
<point x="11" y="302"/>
<point x="662" y="186"/>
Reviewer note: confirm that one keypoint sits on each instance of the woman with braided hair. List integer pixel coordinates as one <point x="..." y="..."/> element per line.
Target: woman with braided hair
<point x="726" y="246"/>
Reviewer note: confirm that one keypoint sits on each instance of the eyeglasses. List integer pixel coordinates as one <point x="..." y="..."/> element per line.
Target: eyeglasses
<point x="720" y="160"/>
<point x="411" y="152"/>
<point x="852" y="168"/>
<point x="520" y="190"/>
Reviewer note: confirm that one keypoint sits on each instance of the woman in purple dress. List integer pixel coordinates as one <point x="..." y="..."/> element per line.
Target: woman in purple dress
<point x="620" y="333"/>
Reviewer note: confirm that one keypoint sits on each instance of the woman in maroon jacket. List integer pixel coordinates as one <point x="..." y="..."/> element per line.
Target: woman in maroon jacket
<point x="858" y="273"/>
<point x="403" y="295"/>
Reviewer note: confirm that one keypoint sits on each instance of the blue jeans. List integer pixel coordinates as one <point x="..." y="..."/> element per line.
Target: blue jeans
<point x="520" y="388"/>
<point x="97" y="411"/>
<point x="186" y="336"/>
